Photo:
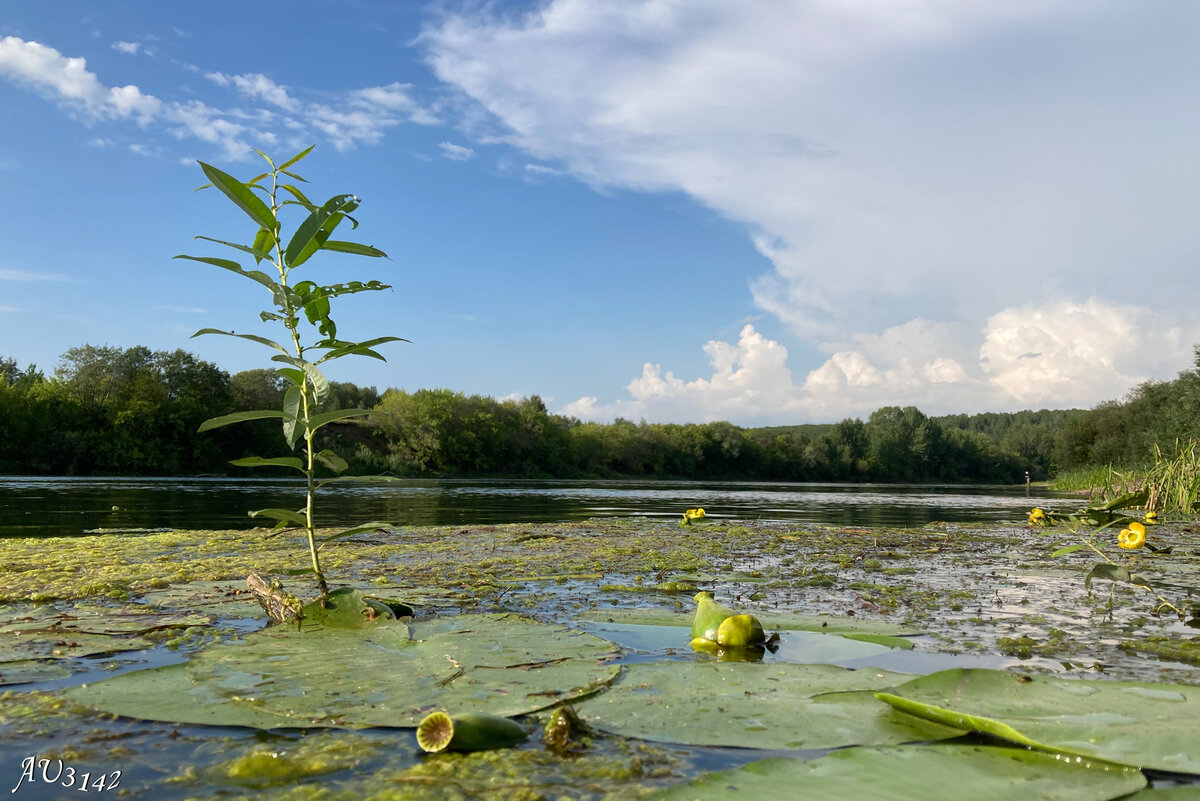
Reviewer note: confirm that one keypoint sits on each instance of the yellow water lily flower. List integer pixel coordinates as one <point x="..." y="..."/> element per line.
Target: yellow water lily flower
<point x="1037" y="516"/>
<point x="1132" y="538"/>
<point x="1151" y="518"/>
<point x="693" y="514"/>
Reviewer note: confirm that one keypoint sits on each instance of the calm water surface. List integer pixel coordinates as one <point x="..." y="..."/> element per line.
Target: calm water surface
<point x="62" y="506"/>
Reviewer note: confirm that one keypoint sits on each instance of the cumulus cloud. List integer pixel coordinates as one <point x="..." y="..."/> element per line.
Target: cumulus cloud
<point x="1058" y="354"/>
<point x="68" y="81"/>
<point x="456" y="152"/>
<point x="909" y="168"/>
<point x="358" y="116"/>
<point x="258" y="86"/>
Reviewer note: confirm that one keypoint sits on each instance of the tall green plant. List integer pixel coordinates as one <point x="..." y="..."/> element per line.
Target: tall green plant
<point x="302" y="310"/>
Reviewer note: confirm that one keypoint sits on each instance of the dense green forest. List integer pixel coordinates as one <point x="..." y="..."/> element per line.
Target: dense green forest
<point x="114" y="411"/>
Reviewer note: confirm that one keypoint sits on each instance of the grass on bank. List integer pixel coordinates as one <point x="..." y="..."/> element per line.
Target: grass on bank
<point x="1173" y="480"/>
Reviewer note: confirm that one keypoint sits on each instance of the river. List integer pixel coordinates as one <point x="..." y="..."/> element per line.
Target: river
<point x="57" y="506"/>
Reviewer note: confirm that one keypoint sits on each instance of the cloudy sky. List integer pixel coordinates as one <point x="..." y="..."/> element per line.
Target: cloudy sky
<point x="677" y="210"/>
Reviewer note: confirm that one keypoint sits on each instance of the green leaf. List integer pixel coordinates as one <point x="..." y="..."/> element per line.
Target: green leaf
<point x="295" y="377"/>
<point x="1067" y="550"/>
<point x="1145" y="725"/>
<point x="300" y="197"/>
<point x="331" y="460"/>
<point x="234" y="267"/>
<point x="242" y="196"/>
<point x="264" y="242"/>
<point x="1103" y="570"/>
<point x="270" y="343"/>
<point x="319" y="382"/>
<point x="360" y="349"/>
<point x="754" y="705"/>
<point x="294" y="176"/>
<point x="1137" y="498"/>
<point x="257" y="254"/>
<point x="385" y="674"/>
<point x="278" y="461"/>
<point x="283" y="515"/>
<point x="337" y="414"/>
<point x="352" y="247"/>
<point x="268" y="158"/>
<point x="350" y="532"/>
<point x="291" y="413"/>
<point x="316" y="222"/>
<point x="237" y="417"/>
<point x="928" y="772"/>
<point x="296" y="158"/>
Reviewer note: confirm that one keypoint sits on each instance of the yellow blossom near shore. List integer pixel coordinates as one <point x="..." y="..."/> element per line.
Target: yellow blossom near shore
<point x="1132" y="538"/>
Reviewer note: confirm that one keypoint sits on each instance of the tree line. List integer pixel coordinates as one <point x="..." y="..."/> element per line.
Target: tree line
<point x="133" y="411"/>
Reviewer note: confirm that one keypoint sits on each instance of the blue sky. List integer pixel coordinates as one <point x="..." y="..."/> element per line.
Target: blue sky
<point x="679" y="211"/>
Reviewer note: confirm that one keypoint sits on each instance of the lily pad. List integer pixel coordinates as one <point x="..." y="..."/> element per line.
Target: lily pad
<point x="383" y="675"/>
<point x="981" y="773"/>
<point x="755" y="706"/>
<point x="30" y="670"/>
<point x="168" y="694"/>
<point x="864" y="630"/>
<point x="1132" y="723"/>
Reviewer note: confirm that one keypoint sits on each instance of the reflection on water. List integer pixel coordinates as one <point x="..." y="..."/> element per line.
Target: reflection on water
<point x="57" y="506"/>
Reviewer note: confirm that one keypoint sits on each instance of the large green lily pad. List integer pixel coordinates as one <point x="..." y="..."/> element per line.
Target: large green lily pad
<point x="931" y="773"/>
<point x="1133" y="723"/>
<point x="385" y="675"/>
<point x="168" y="694"/>
<point x="864" y="630"/>
<point x="45" y="632"/>
<point x="755" y="706"/>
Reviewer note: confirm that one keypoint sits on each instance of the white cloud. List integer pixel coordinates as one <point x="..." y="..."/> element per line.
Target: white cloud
<point x="130" y="48"/>
<point x="456" y="152"/>
<point x="359" y="116"/>
<point x="1057" y="354"/>
<point x="895" y="160"/>
<point x="256" y="86"/>
<point x="26" y="276"/>
<point x="68" y="80"/>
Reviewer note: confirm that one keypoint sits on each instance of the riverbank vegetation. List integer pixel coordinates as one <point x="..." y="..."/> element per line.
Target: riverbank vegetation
<point x="131" y="411"/>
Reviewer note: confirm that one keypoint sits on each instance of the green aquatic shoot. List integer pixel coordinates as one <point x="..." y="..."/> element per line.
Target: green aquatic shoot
<point x="302" y="310"/>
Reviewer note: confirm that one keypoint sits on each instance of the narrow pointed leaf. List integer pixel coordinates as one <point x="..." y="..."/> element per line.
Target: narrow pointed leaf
<point x="293" y="175"/>
<point x="268" y="158"/>
<point x="233" y="266"/>
<point x="296" y="377"/>
<point x="352" y="247"/>
<point x="237" y="417"/>
<point x="278" y="461"/>
<point x="350" y="532"/>
<point x="1067" y="550"/>
<point x="308" y="229"/>
<point x="296" y="158"/>
<point x="291" y="410"/>
<point x="285" y="515"/>
<point x="241" y="195"/>
<point x="318" y="239"/>
<point x="270" y="343"/>
<point x="338" y="414"/>
<point x="331" y="460"/>
<point x="300" y="196"/>
<point x="258" y="255"/>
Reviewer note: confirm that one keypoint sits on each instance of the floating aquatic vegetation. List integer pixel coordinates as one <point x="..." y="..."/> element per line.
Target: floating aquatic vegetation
<point x="1131" y="723"/>
<point x="755" y="706"/>
<point x="957" y="772"/>
<point x="388" y="674"/>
